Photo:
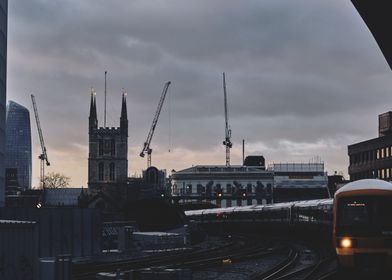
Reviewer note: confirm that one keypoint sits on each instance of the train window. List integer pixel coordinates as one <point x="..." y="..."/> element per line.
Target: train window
<point x="353" y="212"/>
<point x="364" y="215"/>
<point x="383" y="210"/>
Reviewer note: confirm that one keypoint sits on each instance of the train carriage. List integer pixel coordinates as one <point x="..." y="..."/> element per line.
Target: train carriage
<point x="362" y="222"/>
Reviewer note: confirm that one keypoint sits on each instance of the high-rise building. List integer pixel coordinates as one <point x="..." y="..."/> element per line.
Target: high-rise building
<point x="3" y="80"/>
<point x="18" y="143"/>
<point x="108" y="151"/>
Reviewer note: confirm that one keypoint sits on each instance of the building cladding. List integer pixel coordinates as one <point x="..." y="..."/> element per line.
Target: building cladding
<point x="108" y="150"/>
<point x="299" y="175"/>
<point x="373" y="158"/>
<point x="3" y="79"/>
<point x="18" y="143"/>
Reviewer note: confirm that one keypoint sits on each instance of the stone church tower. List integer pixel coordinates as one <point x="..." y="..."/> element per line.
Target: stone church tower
<point x="108" y="151"/>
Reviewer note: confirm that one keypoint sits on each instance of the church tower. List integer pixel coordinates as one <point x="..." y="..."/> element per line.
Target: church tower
<point x="108" y="151"/>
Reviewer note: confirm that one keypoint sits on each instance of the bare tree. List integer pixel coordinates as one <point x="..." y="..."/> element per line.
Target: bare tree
<point x="55" y="180"/>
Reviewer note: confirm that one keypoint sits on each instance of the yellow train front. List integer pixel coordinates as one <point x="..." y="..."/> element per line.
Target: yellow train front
<point x="362" y="224"/>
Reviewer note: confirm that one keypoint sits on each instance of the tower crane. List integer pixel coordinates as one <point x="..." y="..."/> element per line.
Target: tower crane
<point x="227" y="141"/>
<point x="43" y="156"/>
<point x="146" y="148"/>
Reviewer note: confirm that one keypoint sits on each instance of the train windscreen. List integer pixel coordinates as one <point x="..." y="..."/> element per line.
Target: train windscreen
<point x="364" y="216"/>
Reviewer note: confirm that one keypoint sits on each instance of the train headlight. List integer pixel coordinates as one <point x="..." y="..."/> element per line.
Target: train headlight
<point x="346" y="243"/>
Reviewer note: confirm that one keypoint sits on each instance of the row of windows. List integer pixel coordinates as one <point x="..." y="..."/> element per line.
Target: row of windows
<point x="384" y="173"/>
<point x="229" y="188"/>
<point x="101" y="171"/>
<point x="367" y="156"/>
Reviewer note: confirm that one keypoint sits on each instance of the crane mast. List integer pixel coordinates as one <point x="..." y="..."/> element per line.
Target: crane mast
<point x="43" y="156"/>
<point x="227" y="141"/>
<point x="146" y="148"/>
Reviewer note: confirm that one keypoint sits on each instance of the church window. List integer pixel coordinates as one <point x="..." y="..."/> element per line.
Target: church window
<point x="113" y="147"/>
<point x="100" y="171"/>
<point x="100" y="147"/>
<point x="107" y="147"/>
<point x="111" y="171"/>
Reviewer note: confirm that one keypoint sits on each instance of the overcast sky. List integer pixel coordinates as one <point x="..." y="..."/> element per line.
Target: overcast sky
<point x="305" y="78"/>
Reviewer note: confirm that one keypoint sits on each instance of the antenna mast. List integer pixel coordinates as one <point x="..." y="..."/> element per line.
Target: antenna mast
<point x="104" y="117"/>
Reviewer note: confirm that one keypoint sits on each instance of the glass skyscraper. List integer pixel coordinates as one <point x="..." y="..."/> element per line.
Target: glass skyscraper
<point x="18" y="143"/>
<point x="3" y="80"/>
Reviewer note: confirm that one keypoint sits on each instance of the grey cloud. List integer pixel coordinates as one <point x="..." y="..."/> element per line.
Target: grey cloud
<point x="299" y="71"/>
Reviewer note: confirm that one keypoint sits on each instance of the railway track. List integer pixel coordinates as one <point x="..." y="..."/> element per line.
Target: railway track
<point x="272" y="273"/>
<point x="90" y="270"/>
<point x="243" y="254"/>
<point x="291" y="268"/>
<point x="240" y="249"/>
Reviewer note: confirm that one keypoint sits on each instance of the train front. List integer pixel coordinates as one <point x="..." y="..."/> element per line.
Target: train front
<point x="363" y="224"/>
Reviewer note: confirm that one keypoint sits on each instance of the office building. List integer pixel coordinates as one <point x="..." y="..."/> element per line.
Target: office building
<point x="373" y="158"/>
<point x="299" y="181"/>
<point x="18" y="144"/>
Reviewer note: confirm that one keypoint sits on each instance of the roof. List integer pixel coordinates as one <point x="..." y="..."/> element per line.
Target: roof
<point x="298" y="167"/>
<point x="7" y="222"/>
<point x="366" y="184"/>
<point x="63" y="196"/>
<point x="220" y="169"/>
<point x="155" y="233"/>
<point x="260" y="207"/>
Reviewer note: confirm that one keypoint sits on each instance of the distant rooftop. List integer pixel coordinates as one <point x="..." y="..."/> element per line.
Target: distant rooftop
<point x="221" y="169"/>
<point x="297" y="167"/>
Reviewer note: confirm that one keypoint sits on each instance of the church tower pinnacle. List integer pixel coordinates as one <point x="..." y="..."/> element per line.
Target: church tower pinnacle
<point x="124" y="115"/>
<point x="93" y="121"/>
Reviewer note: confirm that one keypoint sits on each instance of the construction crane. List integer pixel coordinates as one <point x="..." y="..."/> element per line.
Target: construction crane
<point x="227" y="141"/>
<point x="43" y="156"/>
<point x="146" y="148"/>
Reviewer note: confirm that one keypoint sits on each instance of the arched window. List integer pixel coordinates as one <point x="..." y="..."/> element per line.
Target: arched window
<point x="111" y="171"/>
<point x="100" y="171"/>
<point x="100" y="147"/>
<point x="113" y="147"/>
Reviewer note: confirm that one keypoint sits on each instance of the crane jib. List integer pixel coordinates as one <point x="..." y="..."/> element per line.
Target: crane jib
<point x="146" y="148"/>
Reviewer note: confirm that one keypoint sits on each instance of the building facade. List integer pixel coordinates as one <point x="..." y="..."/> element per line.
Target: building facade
<point x="108" y="151"/>
<point x="373" y="158"/>
<point x="224" y="185"/>
<point x="3" y="87"/>
<point x="228" y="186"/>
<point x="18" y="144"/>
<point x="299" y="181"/>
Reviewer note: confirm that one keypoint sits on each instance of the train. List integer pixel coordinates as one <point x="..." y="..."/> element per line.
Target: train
<point x="362" y="224"/>
<point x="359" y="218"/>
<point x="315" y="212"/>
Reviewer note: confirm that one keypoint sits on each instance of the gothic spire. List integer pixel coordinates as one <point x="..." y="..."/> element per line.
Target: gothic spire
<point x="124" y="106"/>
<point x="124" y="115"/>
<point x="93" y="122"/>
